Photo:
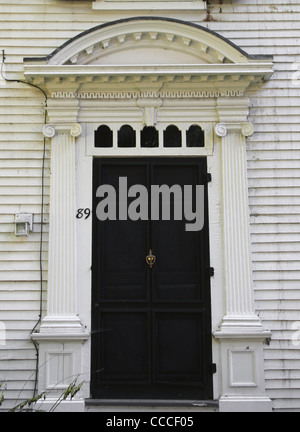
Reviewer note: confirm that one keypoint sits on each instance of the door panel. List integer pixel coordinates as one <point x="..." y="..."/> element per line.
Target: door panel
<point x="151" y="334"/>
<point x="124" y="332"/>
<point x="120" y="246"/>
<point x="173" y="330"/>
<point x="178" y="268"/>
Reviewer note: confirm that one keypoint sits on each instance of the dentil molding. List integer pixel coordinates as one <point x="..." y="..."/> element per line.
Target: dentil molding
<point x="148" y="94"/>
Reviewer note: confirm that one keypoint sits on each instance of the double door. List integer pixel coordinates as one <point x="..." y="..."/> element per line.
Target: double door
<point x="151" y="320"/>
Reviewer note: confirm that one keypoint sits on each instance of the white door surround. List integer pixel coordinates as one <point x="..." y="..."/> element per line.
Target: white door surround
<point x="147" y="71"/>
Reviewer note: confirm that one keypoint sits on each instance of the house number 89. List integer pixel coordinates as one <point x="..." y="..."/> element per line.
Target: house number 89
<point x="86" y="213"/>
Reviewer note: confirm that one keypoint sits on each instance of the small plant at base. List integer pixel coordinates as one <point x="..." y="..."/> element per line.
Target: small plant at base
<point x="28" y="405"/>
<point x="71" y="391"/>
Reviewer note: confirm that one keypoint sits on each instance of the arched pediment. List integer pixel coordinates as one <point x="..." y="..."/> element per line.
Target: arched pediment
<point x="150" y="49"/>
<point x="147" y="40"/>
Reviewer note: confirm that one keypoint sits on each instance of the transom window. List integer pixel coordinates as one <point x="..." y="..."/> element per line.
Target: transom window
<point x="149" y="137"/>
<point x="172" y="139"/>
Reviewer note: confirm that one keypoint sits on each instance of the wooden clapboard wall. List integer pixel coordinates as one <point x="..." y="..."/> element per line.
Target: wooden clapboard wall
<point x="36" y="28"/>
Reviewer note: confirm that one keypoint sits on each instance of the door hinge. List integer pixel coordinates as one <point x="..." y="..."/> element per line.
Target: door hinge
<point x="211" y="272"/>
<point x="213" y="368"/>
<point x="207" y="178"/>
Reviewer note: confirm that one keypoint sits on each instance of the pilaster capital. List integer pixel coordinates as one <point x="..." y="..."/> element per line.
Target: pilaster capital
<point x="50" y="130"/>
<point x="246" y="129"/>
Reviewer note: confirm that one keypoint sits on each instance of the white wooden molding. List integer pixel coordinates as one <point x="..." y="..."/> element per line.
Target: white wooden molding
<point x="142" y="5"/>
<point x="129" y="95"/>
<point x="149" y="109"/>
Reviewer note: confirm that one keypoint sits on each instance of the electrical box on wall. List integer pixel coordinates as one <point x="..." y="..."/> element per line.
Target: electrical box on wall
<point x="23" y="224"/>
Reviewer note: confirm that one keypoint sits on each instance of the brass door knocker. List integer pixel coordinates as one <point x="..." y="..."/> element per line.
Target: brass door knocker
<point x="150" y="259"/>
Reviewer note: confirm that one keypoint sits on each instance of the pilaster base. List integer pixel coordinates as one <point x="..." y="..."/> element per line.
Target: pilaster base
<point x="242" y="327"/>
<point x="245" y="404"/>
<point x="61" y="324"/>
<point x="242" y="369"/>
<point x="60" y="361"/>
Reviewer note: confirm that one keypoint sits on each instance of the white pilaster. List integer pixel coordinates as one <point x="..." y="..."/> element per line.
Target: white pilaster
<point x="240" y="311"/>
<point x="61" y="334"/>
<point x="241" y="332"/>
<point x="62" y="270"/>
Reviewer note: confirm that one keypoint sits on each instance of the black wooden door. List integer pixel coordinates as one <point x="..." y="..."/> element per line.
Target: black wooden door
<point x="151" y="332"/>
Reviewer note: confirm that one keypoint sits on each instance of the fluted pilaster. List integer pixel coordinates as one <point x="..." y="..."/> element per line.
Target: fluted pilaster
<point x="62" y="270"/>
<point x="240" y="311"/>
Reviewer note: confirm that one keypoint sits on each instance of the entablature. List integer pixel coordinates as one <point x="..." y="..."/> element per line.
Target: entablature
<point x="148" y="55"/>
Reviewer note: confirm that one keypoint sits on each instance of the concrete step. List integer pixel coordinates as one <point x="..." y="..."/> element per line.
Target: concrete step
<point x="99" y="405"/>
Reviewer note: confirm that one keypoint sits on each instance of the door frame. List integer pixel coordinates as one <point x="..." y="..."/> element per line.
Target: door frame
<point x="240" y="375"/>
<point x="84" y="187"/>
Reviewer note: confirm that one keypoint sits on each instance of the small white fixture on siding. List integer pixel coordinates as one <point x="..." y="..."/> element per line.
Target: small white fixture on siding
<point x="23" y="224"/>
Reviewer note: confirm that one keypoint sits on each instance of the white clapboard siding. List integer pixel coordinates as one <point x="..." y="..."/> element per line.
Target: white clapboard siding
<point x="274" y="187"/>
<point x="36" y="28"/>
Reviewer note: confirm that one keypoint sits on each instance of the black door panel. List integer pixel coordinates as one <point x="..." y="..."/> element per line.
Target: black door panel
<point x="151" y="331"/>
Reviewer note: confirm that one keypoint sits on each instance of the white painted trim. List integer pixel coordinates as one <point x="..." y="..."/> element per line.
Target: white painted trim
<point x="246" y="69"/>
<point x="144" y="5"/>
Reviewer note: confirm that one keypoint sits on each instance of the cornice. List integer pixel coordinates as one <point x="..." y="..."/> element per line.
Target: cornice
<point x="132" y="81"/>
<point x="263" y="70"/>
